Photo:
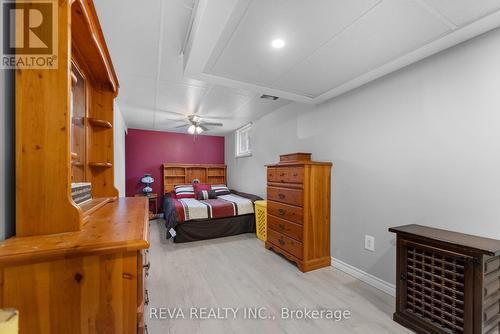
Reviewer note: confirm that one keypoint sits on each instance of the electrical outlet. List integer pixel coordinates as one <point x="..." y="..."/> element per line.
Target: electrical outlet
<point x="370" y="243"/>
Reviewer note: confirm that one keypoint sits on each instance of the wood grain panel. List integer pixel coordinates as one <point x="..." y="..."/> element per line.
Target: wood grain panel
<point x="285" y="195"/>
<point x="175" y="174"/>
<point x="286" y="243"/>
<point x="121" y="225"/>
<point x="43" y="163"/>
<point x="283" y="226"/>
<point x="285" y="211"/>
<point x="81" y="295"/>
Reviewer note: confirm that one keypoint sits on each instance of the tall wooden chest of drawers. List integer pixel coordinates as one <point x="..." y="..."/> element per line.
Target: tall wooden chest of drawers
<point x="298" y="210"/>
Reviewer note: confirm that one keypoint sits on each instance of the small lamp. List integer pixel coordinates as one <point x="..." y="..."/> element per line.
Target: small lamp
<point x="147" y="180"/>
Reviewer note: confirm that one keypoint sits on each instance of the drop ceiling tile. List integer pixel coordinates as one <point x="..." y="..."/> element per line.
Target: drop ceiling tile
<point x="172" y="71"/>
<point x="259" y="107"/>
<point x="138" y="91"/>
<point x="179" y="97"/>
<point x="131" y="35"/>
<point x="137" y="118"/>
<point x="372" y="41"/>
<point x="222" y="101"/>
<point x="461" y="12"/>
<point x="249" y="57"/>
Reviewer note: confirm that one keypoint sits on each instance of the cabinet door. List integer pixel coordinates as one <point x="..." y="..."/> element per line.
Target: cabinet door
<point x="92" y="294"/>
<point x="435" y="287"/>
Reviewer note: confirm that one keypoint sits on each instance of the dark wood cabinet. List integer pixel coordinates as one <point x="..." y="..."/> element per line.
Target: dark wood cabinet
<point x="447" y="282"/>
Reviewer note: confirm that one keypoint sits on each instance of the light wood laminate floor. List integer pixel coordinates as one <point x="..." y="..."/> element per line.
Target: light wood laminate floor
<point x="238" y="272"/>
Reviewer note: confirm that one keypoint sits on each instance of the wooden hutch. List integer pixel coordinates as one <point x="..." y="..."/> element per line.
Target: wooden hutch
<point x="72" y="268"/>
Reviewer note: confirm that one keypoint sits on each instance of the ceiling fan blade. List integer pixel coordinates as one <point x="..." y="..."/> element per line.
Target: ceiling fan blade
<point x="204" y="128"/>
<point x="181" y="126"/>
<point x="211" y="124"/>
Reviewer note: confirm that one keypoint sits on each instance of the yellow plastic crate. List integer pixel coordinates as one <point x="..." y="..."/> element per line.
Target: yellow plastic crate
<point x="261" y="219"/>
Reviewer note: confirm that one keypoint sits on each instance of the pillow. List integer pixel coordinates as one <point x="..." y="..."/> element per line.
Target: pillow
<point x="184" y="191"/>
<point x="206" y="194"/>
<point x="220" y="189"/>
<point x="198" y="187"/>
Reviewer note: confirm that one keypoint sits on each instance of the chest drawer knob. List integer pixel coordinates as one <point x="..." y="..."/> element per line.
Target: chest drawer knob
<point x="78" y="277"/>
<point x="281" y="226"/>
<point x="281" y="212"/>
<point x="281" y="241"/>
<point x="281" y="196"/>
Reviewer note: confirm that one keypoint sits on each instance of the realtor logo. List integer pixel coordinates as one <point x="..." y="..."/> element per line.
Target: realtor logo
<point x="30" y="36"/>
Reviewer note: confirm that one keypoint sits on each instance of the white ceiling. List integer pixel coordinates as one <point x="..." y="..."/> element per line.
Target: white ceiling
<point x="145" y="43"/>
<point x="332" y="46"/>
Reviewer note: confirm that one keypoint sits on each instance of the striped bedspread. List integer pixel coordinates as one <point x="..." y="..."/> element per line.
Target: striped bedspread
<point x="224" y="206"/>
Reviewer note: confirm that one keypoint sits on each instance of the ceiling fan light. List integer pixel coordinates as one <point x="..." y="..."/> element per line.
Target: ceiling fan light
<point x="191" y="129"/>
<point x="199" y="130"/>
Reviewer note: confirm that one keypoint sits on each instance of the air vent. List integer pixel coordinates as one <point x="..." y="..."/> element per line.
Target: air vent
<point x="269" y="97"/>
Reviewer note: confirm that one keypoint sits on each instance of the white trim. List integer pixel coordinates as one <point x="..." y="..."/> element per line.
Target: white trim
<point x="246" y="128"/>
<point x="363" y="276"/>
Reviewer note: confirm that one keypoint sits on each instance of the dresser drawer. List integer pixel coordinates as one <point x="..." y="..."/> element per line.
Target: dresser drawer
<point x="285" y="211"/>
<point x="285" y="174"/>
<point x="286" y="227"/>
<point x="287" y="196"/>
<point x="295" y="174"/>
<point x="288" y="244"/>
<point x="277" y="174"/>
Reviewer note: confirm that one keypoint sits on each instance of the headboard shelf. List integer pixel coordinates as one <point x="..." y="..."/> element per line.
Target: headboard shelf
<point x="174" y="174"/>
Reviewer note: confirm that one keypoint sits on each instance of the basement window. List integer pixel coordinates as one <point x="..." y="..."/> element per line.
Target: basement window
<point x="244" y="141"/>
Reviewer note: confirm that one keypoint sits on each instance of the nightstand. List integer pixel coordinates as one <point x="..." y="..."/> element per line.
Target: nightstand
<point x="153" y="201"/>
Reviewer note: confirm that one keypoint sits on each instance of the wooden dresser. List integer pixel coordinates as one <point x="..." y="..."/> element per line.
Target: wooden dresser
<point x="87" y="281"/>
<point x="73" y="268"/>
<point x="447" y="282"/>
<point x="298" y="210"/>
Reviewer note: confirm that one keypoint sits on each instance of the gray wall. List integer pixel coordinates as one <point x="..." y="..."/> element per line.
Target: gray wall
<point x="421" y="145"/>
<point x="120" y="129"/>
<point x="7" y="164"/>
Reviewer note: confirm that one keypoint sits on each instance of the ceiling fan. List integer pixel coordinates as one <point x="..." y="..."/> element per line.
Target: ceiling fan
<point x="197" y="125"/>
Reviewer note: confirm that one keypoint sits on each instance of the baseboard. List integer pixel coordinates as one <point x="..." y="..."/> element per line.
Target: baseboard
<point x="365" y="277"/>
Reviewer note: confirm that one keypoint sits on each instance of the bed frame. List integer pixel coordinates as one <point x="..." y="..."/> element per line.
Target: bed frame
<point x="174" y="174"/>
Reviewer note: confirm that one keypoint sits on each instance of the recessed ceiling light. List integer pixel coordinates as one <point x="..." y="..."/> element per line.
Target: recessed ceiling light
<point x="278" y="43"/>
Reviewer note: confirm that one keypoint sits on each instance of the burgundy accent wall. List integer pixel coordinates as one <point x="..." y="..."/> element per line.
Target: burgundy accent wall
<point x="146" y="152"/>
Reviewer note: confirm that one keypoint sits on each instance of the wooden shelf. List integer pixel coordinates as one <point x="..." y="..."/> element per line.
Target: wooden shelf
<point x="77" y="163"/>
<point x="101" y="164"/>
<point x="100" y="123"/>
<point x="93" y="205"/>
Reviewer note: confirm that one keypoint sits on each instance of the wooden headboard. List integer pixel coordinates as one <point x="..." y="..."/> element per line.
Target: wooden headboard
<point x="174" y="174"/>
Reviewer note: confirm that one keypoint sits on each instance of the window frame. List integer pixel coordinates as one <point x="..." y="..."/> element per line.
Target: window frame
<point x="246" y="129"/>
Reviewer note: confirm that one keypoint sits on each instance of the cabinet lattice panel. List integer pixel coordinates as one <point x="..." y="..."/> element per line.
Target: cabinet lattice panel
<point x="435" y="288"/>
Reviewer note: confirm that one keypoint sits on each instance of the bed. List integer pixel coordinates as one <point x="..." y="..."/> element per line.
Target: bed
<point x="193" y="219"/>
<point x="231" y="213"/>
